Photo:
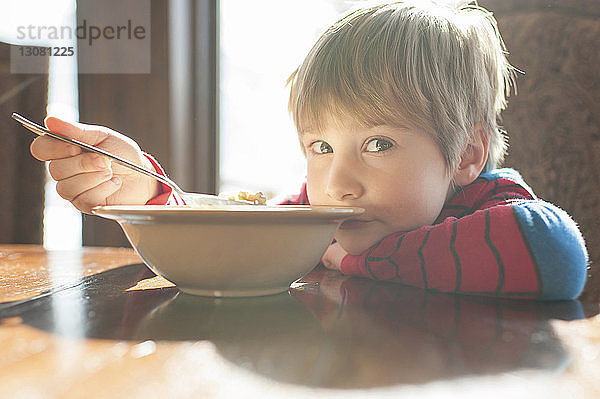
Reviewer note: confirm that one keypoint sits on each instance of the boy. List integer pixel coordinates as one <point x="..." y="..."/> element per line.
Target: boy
<point x="396" y="108"/>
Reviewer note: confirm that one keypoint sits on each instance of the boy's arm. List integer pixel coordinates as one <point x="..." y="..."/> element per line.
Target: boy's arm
<point x="298" y="199"/>
<point x="522" y="248"/>
<point x="167" y="196"/>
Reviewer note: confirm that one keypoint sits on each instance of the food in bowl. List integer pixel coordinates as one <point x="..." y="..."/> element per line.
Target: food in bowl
<point x="255" y="198"/>
<point x="229" y="250"/>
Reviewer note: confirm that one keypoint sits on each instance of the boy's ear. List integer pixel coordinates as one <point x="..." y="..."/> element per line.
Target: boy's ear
<point x="473" y="158"/>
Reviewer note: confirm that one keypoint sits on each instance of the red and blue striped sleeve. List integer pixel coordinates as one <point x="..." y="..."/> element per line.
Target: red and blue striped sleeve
<point x="167" y="196"/>
<point x="299" y="199"/>
<point x="493" y="238"/>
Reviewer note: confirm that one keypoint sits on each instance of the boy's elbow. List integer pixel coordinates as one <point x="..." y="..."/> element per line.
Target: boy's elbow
<point x="557" y="247"/>
<point x="565" y="277"/>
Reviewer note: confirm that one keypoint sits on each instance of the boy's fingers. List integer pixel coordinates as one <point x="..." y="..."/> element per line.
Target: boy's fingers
<point x="46" y="148"/>
<point x="88" y="134"/>
<point x="332" y="259"/>
<point x="72" y="187"/>
<point x="61" y="169"/>
<point x="97" y="195"/>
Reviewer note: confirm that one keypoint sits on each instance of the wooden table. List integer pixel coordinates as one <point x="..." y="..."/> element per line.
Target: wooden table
<point x="97" y="323"/>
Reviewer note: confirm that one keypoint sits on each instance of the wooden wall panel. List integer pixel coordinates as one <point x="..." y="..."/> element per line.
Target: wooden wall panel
<point x="22" y="198"/>
<point x="136" y="105"/>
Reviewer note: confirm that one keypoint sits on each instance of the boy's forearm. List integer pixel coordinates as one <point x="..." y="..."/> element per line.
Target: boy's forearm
<point x="166" y="195"/>
<point x="528" y="249"/>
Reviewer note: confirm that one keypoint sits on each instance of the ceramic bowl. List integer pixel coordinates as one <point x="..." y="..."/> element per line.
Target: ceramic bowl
<point x="233" y="250"/>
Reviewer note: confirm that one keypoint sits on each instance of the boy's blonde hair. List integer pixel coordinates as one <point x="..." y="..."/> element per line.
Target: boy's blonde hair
<point x="439" y="68"/>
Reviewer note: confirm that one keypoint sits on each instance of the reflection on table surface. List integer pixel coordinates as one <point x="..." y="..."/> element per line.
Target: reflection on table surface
<point x="328" y="331"/>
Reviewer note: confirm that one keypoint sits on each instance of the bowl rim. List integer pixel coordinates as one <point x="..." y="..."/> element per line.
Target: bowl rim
<point x="225" y="212"/>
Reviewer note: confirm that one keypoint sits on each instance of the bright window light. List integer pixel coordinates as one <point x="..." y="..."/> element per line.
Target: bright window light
<point x="261" y="44"/>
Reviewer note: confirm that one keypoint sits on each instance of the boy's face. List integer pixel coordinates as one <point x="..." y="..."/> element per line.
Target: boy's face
<point x="397" y="174"/>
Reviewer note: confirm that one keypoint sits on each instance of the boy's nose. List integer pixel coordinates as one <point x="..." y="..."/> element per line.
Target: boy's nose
<point x="343" y="182"/>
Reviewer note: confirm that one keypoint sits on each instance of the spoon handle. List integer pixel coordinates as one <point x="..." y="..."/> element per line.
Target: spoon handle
<point x="42" y="131"/>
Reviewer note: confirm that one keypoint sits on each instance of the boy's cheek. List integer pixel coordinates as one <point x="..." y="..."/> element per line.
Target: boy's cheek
<point x="316" y="183"/>
<point x="313" y="195"/>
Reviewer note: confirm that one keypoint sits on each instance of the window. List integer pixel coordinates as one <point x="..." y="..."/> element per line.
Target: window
<point x="261" y="44"/>
<point x="62" y="221"/>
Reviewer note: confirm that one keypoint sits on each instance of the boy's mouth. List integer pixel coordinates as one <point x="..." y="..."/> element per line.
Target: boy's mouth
<point x="354" y="223"/>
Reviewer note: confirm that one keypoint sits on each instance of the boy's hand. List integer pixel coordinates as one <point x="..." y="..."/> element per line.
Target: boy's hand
<point x="332" y="259"/>
<point x="88" y="179"/>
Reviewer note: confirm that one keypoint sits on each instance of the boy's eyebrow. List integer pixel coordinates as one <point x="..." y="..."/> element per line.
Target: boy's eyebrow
<point x="395" y="126"/>
<point x="311" y="133"/>
<point x="381" y="128"/>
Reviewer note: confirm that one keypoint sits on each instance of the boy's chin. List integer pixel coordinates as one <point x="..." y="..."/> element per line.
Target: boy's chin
<point x="355" y="244"/>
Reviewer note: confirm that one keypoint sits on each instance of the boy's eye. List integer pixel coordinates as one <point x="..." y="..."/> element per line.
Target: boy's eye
<point x="321" y="147"/>
<point x="378" y="145"/>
